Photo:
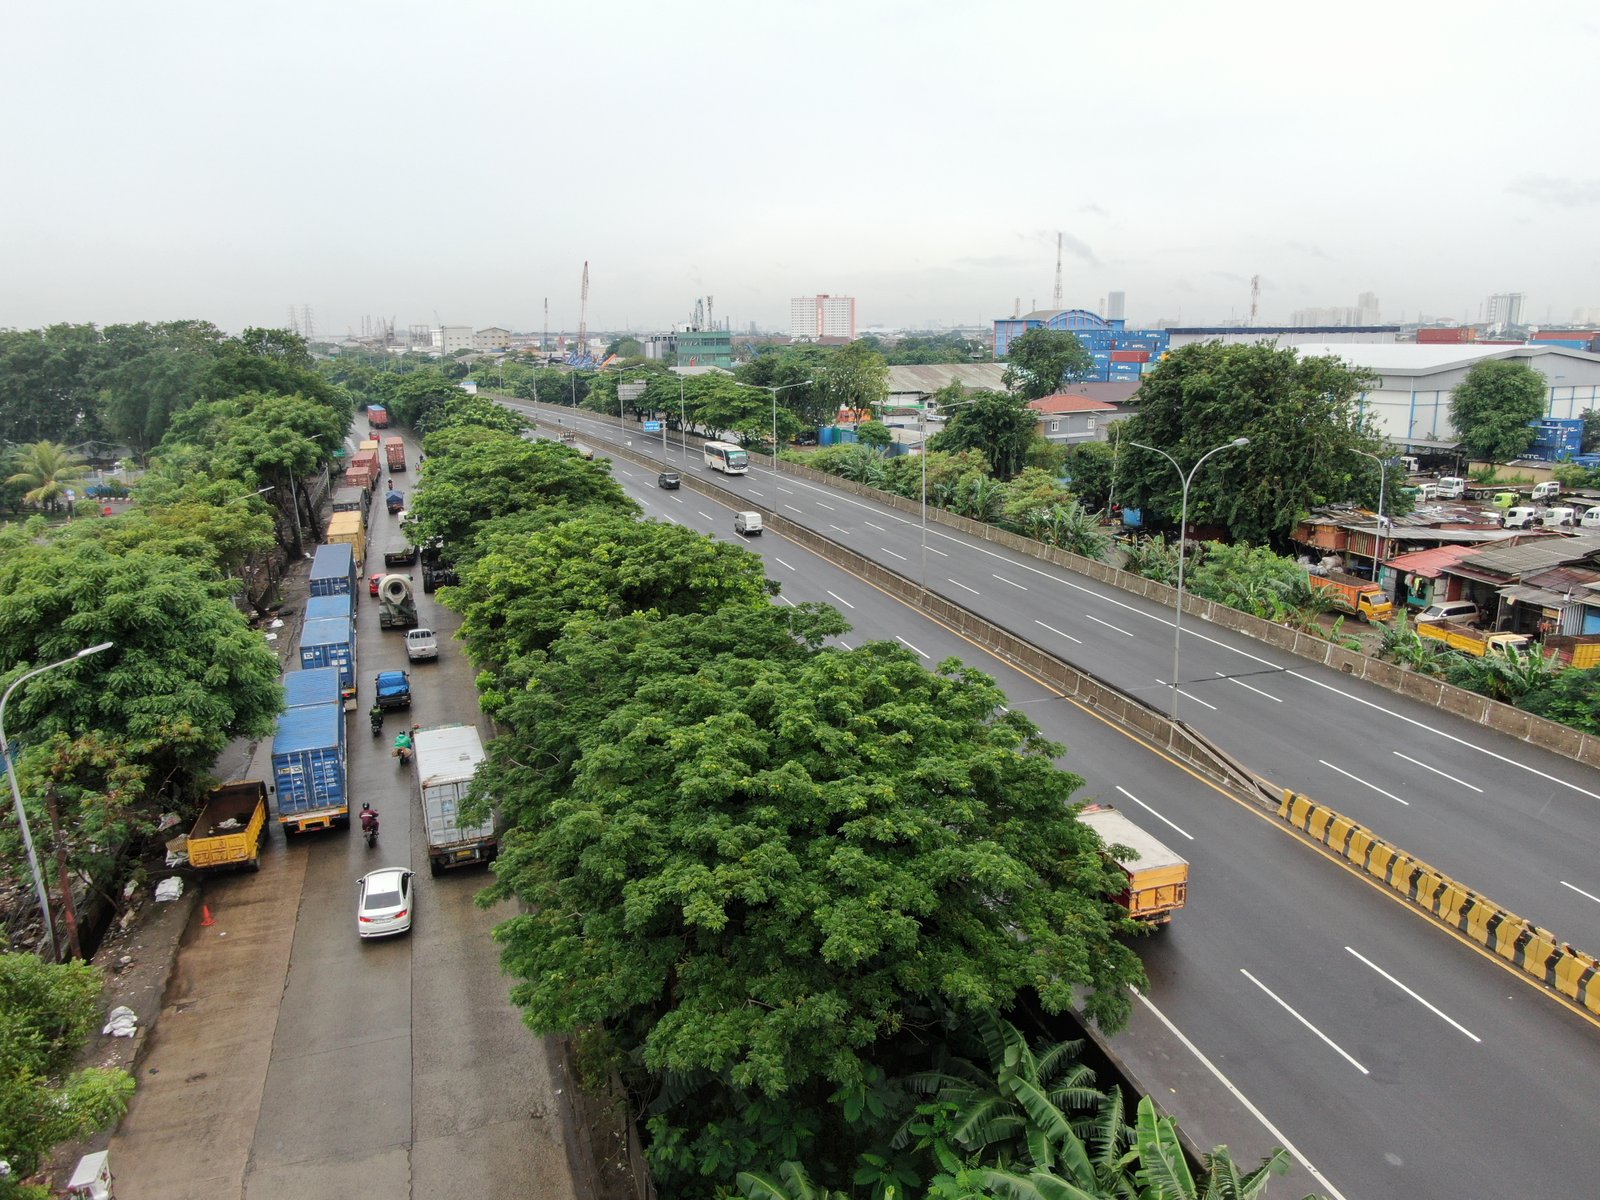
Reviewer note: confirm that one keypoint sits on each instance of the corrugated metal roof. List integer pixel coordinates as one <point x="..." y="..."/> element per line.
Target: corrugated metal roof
<point x="1563" y="579"/>
<point x="1537" y="555"/>
<point x="929" y="379"/>
<point x="1428" y="563"/>
<point x="1407" y="358"/>
<point x="1521" y="593"/>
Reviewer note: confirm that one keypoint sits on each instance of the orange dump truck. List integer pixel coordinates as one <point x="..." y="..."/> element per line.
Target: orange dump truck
<point x="1158" y="878"/>
<point x="1361" y="598"/>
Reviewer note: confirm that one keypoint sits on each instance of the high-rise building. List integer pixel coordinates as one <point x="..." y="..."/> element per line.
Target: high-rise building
<point x="1367" y="311"/>
<point x="823" y="317"/>
<point x="1505" y="308"/>
<point x="1114" y="306"/>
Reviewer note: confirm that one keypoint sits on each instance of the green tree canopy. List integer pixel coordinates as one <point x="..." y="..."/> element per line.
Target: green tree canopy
<point x="999" y="425"/>
<point x="1041" y="361"/>
<point x="854" y="377"/>
<point x="46" y="471"/>
<point x="1492" y="406"/>
<point x="1300" y="415"/>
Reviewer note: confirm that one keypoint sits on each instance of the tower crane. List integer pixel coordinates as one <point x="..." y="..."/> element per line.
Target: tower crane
<point x="583" y="312"/>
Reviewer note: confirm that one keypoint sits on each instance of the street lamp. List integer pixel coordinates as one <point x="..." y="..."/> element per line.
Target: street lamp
<point x="1383" y="478"/>
<point x="16" y="792"/>
<point x="783" y="387"/>
<point x="1183" y="525"/>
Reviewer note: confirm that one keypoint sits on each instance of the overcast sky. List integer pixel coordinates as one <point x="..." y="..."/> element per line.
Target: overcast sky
<point x="228" y="161"/>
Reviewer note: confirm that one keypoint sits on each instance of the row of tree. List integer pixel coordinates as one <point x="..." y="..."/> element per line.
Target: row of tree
<point x="794" y="894"/>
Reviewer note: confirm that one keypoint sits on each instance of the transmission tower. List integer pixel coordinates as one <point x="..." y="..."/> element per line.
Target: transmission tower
<point x="544" y="338"/>
<point x="583" y="312"/>
<point x="1255" y="298"/>
<point x="1058" y="273"/>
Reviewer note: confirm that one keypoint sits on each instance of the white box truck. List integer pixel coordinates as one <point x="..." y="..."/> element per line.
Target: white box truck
<point x="447" y="757"/>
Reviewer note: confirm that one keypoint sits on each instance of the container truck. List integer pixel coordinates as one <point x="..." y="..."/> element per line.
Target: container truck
<point x="1157" y="878"/>
<point x="345" y="528"/>
<point x="447" y="757"/>
<point x="307" y="689"/>
<point x="352" y="499"/>
<point x="231" y="827"/>
<point x="308" y="769"/>
<point x="368" y="446"/>
<point x="1361" y="598"/>
<point x="394" y="450"/>
<point x="1457" y="635"/>
<point x="321" y="607"/>
<point x="333" y="570"/>
<point x="377" y="416"/>
<point x="329" y="642"/>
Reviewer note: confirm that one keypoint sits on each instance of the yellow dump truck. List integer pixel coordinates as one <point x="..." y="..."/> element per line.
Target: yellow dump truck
<point x="1359" y="597"/>
<point x="1158" y="878"/>
<point x="231" y="828"/>
<point x="1458" y="635"/>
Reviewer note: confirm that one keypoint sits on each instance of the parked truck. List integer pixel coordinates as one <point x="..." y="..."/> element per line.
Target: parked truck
<point x="307" y="689"/>
<point x="308" y="769"/>
<point x="397" y="607"/>
<point x="377" y="416"/>
<point x="333" y="570"/>
<point x="395" y="501"/>
<point x="437" y="570"/>
<point x="330" y="642"/>
<point x="1157" y="877"/>
<point x="348" y="498"/>
<point x="447" y="757"/>
<point x="400" y="556"/>
<point x="1581" y="651"/>
<point x="392" y="689"/>
<point x="1362" y="598"/>
<point x="394" y="450"/>
<point x="231" y="827"/>
<point x="345" y="528"/>
<point x="1458" y="635"/>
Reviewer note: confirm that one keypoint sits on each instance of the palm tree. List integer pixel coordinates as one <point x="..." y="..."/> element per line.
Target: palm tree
<point x="1163" y="1173"/>
<point x="981" y="499"/>
<point x="1152" y="558"/>
<point x="47" y="470"/>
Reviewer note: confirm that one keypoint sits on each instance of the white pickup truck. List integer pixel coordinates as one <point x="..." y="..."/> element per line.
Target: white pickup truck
<point x="422" y="644"/>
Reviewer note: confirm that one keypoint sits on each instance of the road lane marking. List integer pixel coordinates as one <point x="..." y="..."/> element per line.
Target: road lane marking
<point x="1257" y="691"/>
<point x="1186" y="695"/>
<point x="959" y="584"/>
<point x="676" y="499"/>
<point x="1277" y="1134"/>
<point x="901" y="557"/>
<point x="753" y="492"/>
<point x="907" y="644"/>
<point x="940" y="553"/>
<point x="793" y="509"/>
<point x="1153" y="812"/>
<point x="879" y="528"/>
<point x="844" y="643"/>
<point x="1363" y="782"/>
<point x="836" y="529"/>
<point x="1330" y="1042"/>
<point x="1436" y="771"/>
<point x="829" y="507"/>
<point x="1110" y="626"/>
<point x="784" y="490"/>
<point x="1580" y="891"/>
<point x="1414" y="996"/>
<point x="841" y="600"/>
<point x="786" y="600"/>
<point x="707" y="516"/>
<point x="780" y="562"/>
<point x="1014" y="584"/>
<point x="1054" y="630"/>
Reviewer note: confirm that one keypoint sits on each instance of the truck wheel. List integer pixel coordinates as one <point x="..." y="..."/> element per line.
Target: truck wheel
<point x="433" y="867"/>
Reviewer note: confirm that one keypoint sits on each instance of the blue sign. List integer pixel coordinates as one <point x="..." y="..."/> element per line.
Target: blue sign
<point x="652" y="426"/>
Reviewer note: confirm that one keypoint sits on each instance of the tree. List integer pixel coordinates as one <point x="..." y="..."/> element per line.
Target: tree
<point x="762" y="866"/>
<point x="1492" y="406"/>
<point x="875" y="434"/>
<point x="1591" y="430"/>
<point x="47" y="470"/>
<point x="47" y="1012"/>
<point x="1040" y="361"/>
<point x="1301" y="418"/>
<point x="625" y="347"/>
<point x="999" y="425"/>
<point x="1572" y="697"/>
<point x="855" y="378"/>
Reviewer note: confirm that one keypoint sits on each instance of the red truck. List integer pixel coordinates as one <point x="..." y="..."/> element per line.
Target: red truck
<point x="395" y="449"/>
<point x="362" y="471"/>
<point x="377" y="416"/>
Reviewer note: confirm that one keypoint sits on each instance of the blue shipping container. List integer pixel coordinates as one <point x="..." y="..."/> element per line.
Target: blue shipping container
<point x="329" y="643"/>
<point x="308" y="761"/>
<point x="828" y="435"/>
<point x="320" y="685"/>
<point x="333" y="570"/>
<point x="321" y="607"/>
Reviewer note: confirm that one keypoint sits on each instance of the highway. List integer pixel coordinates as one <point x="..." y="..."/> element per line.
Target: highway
<point x="1393" y="1057"/>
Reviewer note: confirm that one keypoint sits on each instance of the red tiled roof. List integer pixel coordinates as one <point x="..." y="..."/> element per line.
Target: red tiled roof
<point x="1065" y="402"/>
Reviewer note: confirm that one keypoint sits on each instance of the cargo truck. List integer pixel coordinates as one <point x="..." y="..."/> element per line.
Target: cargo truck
<point x="392" y="689"/>
<point x="231" y="827"/>
<point x="333" y="570"/>
<point x="345" y="528"/>
<point x="447" y="757"/>
<point x="329" y="642"/>
<point x="377" y="416"/>
<point x="394" y="451"/>
<point x="1157" y="878"/>
<point x="1458" y="635"/>
<point x="395" y="501"/>
<point x="352" y="499"/>
<point x="308" y="769"/>
<point x="307" y="689"/>
<point x="1362" y="598"/>
<point x="437" y="570"/>
<point x="319" y="608"/>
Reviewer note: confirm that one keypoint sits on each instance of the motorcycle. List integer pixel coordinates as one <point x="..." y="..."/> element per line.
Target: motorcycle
<point x="377" y="722"/>
<point x="369" y="827"/>
<point x="403" y="753"/>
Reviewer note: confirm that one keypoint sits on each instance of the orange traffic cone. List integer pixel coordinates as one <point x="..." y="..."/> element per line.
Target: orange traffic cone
<point x="205" y="919"/>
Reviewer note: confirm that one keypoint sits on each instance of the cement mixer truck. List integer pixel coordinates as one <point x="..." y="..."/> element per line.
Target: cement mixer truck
<point x="397" y="606"/>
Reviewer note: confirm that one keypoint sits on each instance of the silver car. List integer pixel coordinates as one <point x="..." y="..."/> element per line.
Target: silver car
<point x="384" y="902"/>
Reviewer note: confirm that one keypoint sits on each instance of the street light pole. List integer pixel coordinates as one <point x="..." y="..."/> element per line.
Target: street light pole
<point x="16" y="792"/>
<point x="1183" y="525"/>
<point x="1377" y="537"/>
<point x="782" y="387"/>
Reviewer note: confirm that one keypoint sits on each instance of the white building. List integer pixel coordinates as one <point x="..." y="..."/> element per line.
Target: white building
<point x="450" y="339"/>
<point x="493" y="338"/>
<point x="823" y="316"/>
<point x="1411" y="399"/>
<point x="1505" y="308"/>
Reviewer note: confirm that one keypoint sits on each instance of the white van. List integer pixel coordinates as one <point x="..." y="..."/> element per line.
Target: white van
<point x="747" y="523"/>
<point x="1548" y="490"/>
<point x="1521" y="517"/>
<point x="1451" y="610"/>
<point x="1590" y="518"/>
<point x="1558" y="516"/>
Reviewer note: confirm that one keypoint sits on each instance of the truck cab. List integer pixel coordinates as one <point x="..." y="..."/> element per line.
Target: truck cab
<point x="1452" y="487"/>
<point x="1546" y="491"/>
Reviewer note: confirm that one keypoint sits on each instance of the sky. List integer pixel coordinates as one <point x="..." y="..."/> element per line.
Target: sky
<point x="459" y="162"/>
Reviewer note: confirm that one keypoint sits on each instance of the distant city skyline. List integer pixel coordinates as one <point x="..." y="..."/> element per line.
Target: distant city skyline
<point x="217" y="163"/>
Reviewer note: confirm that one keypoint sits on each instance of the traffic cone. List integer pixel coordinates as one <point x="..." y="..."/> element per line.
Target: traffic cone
<point x="205" y="915"/>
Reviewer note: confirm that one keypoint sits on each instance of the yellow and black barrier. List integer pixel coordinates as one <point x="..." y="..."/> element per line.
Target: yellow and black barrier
<point x="1535" y="951"/>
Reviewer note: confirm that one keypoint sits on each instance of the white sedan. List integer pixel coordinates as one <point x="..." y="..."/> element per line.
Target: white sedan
<point x="384" y="902"/>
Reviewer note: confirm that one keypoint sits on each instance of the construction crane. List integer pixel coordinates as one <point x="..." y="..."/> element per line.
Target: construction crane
<point x="1255" y="297"/>
<point x="1058" y="274"/>
<point x="583" y="312"/>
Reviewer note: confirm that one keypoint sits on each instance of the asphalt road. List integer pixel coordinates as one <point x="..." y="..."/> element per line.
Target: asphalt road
<point x="1392" y="1057"/>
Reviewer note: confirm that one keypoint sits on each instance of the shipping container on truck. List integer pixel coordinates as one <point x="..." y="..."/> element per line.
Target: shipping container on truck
<point x="307" y="689"/>
<point x="1158" y="879"/>
<point x="321" y="607"/>
<point x="308" y="769"/>
<point x="333" y="570"/>
<point x="346" y="529"/>
<point x="329" y="642"/>
<point x="352" y="499"/>
<point x="447" y="757"/>
<point x="231" y="827"/>
<point x="394" y="451"/>
<point x="377" y="416"/>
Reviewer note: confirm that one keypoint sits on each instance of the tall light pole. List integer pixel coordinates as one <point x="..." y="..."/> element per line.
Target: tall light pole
<point x="782" y="387"/>
<point x="1383" y="478"/>
<point x="16" y="792"/>
<point x="1183" y="525"/>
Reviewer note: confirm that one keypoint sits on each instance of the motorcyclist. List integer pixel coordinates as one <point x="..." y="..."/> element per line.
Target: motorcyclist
<point x="402" y="745"/>
<point x="375" y="714"/>
<point x="369" y="819"/>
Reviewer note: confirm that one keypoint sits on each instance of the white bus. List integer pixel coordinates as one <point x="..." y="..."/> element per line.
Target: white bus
<point x="720" y="456"/>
